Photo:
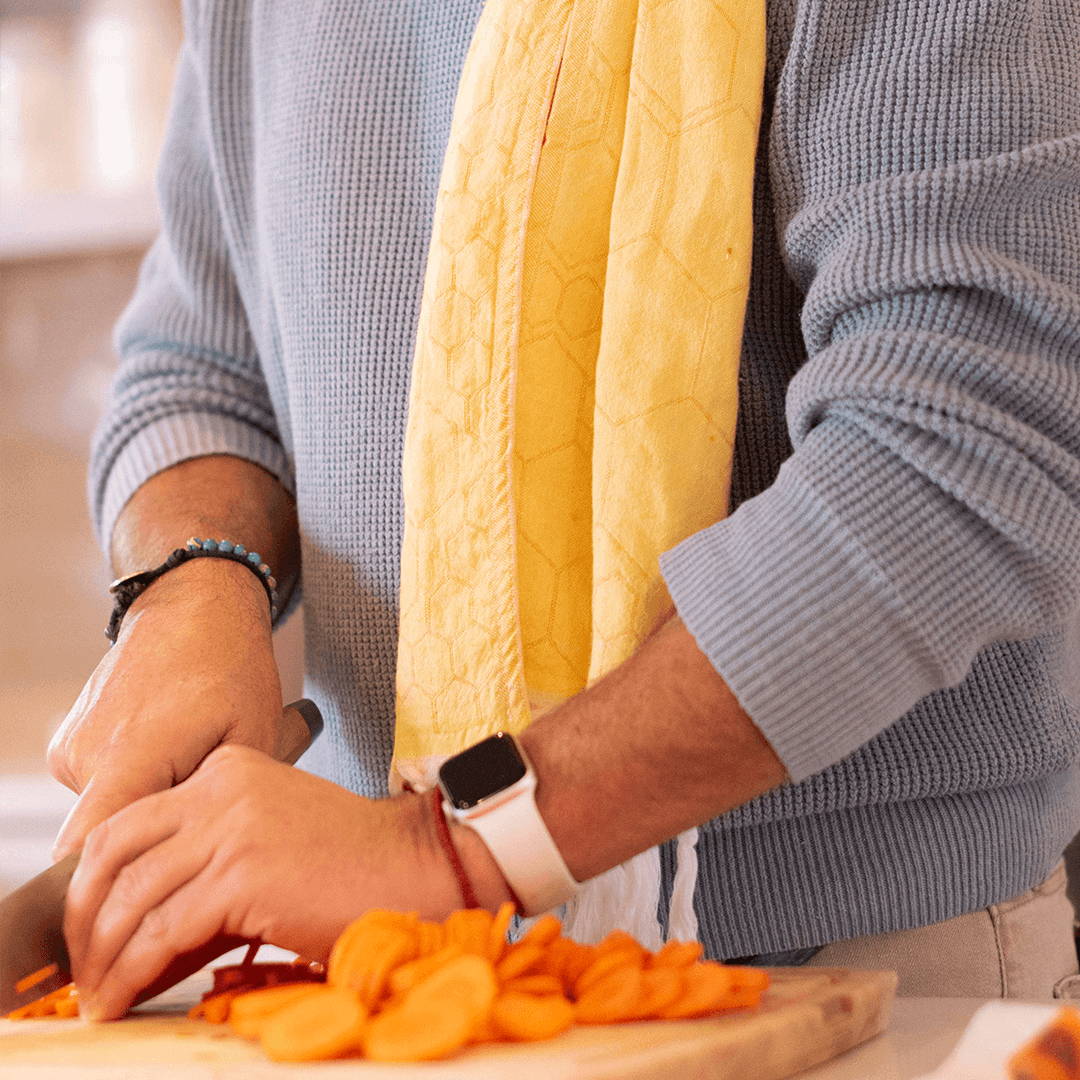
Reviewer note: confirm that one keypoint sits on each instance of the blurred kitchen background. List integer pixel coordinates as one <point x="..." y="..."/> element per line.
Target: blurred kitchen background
<point x="84" y="94"/>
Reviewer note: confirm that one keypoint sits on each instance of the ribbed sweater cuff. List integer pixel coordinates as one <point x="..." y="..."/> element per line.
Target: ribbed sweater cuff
<point x="177" y="438"/>
<point x="788" y="611"/>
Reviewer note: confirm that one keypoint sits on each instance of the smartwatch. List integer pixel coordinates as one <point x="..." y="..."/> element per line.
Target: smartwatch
<point x="491" y="788"/>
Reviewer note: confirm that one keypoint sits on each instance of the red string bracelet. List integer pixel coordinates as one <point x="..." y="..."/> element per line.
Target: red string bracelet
<point x="468" y="897"/>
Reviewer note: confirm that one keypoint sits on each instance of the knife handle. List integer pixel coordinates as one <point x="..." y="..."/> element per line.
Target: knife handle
<point x="297" y="728"/>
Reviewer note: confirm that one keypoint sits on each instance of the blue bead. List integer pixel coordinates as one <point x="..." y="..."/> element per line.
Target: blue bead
<point x="239" y="549"/>
<point x="254" y="558"/>
<point x="209" y="545"/>
<point x="224" y="545"/>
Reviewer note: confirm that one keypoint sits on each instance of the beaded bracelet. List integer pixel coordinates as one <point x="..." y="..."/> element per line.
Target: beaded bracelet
<point x="128" y="589"/>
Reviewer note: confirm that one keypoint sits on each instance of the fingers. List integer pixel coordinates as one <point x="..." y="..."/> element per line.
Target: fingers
<point x="123" y="872"/>
<point x="141" y="895"/>
<point x="110" y="790"/>
<point x="186" y="920"/>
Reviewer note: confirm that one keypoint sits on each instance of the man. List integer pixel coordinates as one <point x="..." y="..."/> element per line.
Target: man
<point x="866" y="694"/>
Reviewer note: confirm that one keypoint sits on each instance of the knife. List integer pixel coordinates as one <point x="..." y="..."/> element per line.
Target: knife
<point x="31" y="918"/>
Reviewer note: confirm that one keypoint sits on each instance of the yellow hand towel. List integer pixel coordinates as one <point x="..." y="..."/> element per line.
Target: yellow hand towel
<point x="574" y="387"/>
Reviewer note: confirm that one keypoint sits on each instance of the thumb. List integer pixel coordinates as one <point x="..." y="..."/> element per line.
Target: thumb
<point x="108" y="791"/>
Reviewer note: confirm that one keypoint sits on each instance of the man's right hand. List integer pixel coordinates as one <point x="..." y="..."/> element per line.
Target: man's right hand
<point x="193" y="668"/>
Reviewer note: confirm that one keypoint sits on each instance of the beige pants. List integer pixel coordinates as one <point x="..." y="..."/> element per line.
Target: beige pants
<point x="1022" y="948"/>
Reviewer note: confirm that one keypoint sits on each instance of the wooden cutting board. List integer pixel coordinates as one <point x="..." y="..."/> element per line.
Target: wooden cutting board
<point x="807" y="1016"/>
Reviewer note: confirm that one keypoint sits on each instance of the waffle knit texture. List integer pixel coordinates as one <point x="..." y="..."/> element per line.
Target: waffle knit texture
<point x="896" y="598"/>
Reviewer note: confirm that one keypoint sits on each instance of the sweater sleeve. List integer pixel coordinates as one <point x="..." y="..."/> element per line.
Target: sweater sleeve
<point x="924" y="160"/>
<point x="190" y="381"/>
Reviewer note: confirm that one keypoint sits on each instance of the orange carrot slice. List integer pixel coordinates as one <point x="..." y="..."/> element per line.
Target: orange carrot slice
<point x="660" y="987"/>
<point x="542" y="932"/>
<point x="707" y="987"/>
<point x="534" y="984"/>
<point x="67" y="1007"/>
<point x="438" y="1016"/>
<point x="249" y="1012"/>
<point x="529" y="1018"/>
<point x="602" y="966"/>
<point x="420" y="1031"/>
<point x="408" y="975"/>
<point x="675" y="954"/>
<point x="519" y="959"/>
<point x="430" y="938"/>
<point x="1054" y="1052"/>
<point x="214" y="1008"/>
<point x="613" y="999"/>
<point x="371" y="956"/>
<point x="500" y="926"/>
<point x="471" y="929"/>
<point x="327" y="1022"/>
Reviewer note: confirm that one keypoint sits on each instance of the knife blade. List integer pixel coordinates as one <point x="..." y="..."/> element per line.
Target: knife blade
<point x="32" y="917"/>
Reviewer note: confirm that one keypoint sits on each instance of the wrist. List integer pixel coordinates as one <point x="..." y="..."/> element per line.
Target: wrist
<point x="224" y="589"/>
<point x="463" y="863"/>
<point x="483" y="871"/>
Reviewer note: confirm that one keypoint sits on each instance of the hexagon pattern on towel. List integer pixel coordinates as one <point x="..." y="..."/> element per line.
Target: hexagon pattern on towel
<point x="574" y="387"/>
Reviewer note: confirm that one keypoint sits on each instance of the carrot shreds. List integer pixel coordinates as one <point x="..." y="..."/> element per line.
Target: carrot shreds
<point x="37" y="977"/>
<point x="49" y="1004"/>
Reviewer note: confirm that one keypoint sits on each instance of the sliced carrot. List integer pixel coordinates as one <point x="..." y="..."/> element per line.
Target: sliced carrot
<point x="707" y="987"/>
<point x="36" y="977"/>
<point x="348" y="953"/>
<point x="578" y="960"/>
<point x="675" y="954"/>
<point x="660" y="987"/>
<point x="406" y="976"/>
<point x="430" y="938"/>
<point x="469" y="978"/>
<point x="438" y="1016"/>
<point x="68" y="1007"/>
<point x="44" y="1006"/>
<point x="534" y="984"/>
<point x="471" y="929"/>
<point x="214" y="1008"/>
<point x="519" y="959"/>
<point x="542" y="932"/>
<point x="621" y="941"/>
<point x="613" y="999"/>
<point x="248" y="1012"/>
<point x="529" y="1017"/>
<point x="1054" y="1052"/>
<point x="327" y="1022"/>
<point x="602" y="966"/>
<point x="366" y="965"/>
<point x="500" y="927"/>
<point x="748" y="978"/>
<point x="421" y="1031"/>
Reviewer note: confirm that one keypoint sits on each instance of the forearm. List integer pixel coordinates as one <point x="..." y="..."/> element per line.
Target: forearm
<point x="657" y="746"/>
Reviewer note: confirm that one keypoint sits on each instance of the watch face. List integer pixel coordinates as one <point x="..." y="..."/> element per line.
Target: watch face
<point x="481" y="771"/>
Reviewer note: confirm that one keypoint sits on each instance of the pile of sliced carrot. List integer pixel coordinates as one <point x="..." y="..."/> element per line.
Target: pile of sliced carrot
<point x="62" y="1002"/>
<point x="401" y="989"/>
<point x="1054" y="1053"/>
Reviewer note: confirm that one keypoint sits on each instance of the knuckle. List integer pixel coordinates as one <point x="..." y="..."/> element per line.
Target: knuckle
<point x="129" y="885"/>
<point x="155" y="925"/>
<point x="97" y="841"/>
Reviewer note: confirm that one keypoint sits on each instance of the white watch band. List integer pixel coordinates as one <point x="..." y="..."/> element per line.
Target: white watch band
<point x="520" y="843"/>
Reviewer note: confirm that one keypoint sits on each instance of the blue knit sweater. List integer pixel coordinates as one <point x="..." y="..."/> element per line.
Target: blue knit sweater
<point x="896" y="600"/>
